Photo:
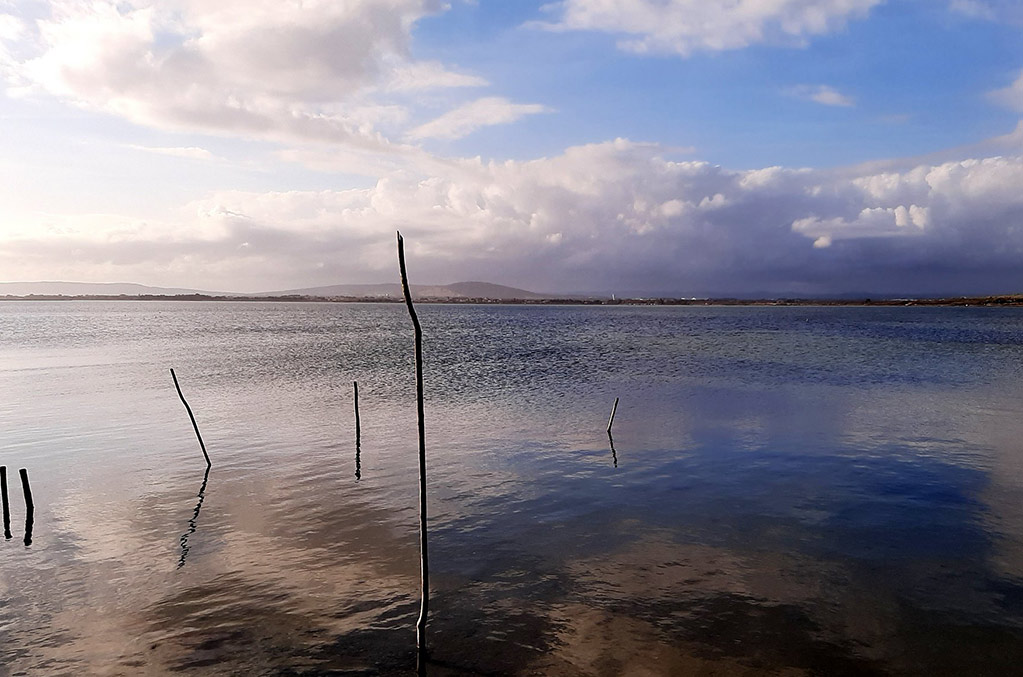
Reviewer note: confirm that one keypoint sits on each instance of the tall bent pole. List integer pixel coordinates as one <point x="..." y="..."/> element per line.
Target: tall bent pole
<point x="425" y="560"/>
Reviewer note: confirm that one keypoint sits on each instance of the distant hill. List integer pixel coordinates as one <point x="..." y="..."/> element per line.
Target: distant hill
<point x="89" y="289"/>
<point x="490" y="291"/>
<point x="459" y="290"/>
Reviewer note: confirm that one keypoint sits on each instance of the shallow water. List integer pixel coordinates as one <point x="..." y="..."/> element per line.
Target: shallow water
<point x="790" y="490"/>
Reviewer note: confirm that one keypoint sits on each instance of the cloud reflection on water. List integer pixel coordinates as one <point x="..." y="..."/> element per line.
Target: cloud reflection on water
<point x="828" y="517"/>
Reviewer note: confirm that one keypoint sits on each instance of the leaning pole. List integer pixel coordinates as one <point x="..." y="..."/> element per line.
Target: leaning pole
<point x="424" y="558"/>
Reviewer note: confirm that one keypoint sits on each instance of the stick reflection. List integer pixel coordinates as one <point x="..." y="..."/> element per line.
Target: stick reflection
<point x="195" y="518"/>
<point x="614" y="454"/>
<point x="358" y="461"/>
<point x="29" y="521"/>
<point x="30" y="507"/>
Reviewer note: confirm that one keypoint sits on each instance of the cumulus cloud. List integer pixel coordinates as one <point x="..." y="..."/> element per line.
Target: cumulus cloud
<point x="611" y="216"/>
<point x="469" y="117"/>
<point x="1011" y="96"/>
<point x="311" y="72"/>
<point x="822" y="94"/>
<point x="686" y="26"/>
<point x="870" y="222"/>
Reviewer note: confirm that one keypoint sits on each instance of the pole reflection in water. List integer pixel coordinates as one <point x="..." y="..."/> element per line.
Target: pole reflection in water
<point x="195" y="518"/>
<point x="358" y="461"/>
<point x="30" y="507"/>
<point x="29" y="522"/>
<point x="614" y="454"/>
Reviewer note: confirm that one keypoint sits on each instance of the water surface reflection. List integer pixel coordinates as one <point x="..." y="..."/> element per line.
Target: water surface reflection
<point x="807" y="491"/>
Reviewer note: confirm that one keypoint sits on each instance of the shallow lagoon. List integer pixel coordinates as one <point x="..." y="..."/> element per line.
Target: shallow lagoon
<point x="791" y="490"/>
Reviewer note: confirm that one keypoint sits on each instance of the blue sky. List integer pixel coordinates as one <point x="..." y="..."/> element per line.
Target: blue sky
<point x="917" y="74"/>
<point x="657" y="146"/>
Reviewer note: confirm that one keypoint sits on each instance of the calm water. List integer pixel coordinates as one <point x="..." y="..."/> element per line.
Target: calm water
<point x="791" y="491"/>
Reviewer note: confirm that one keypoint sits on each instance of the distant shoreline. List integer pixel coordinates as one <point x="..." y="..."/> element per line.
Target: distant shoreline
<point x="1013" y="300"/>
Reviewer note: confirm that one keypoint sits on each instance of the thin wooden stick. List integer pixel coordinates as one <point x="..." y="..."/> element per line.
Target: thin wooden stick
<point x="3" y="496"/>
<point x="30" y="507"/>
<point x="358" y="428"/>
<point x="611" y="421"/>
<point x="358" y="436"/>
<point x="194" y="425"/>
<point x="425" y="560"/>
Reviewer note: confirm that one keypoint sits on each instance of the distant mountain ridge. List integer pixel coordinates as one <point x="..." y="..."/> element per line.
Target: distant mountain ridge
<point x="90" y="289"/>
<point x="458" y="290"/>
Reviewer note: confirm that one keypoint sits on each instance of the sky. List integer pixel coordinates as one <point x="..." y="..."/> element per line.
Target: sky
<point x="669" y="147"/>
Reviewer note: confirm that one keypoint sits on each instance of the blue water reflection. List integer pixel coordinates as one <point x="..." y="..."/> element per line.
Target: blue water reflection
<point x="789" y="491"/>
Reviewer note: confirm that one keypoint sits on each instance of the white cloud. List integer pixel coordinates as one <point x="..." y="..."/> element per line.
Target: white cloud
<point x="686" y="26"/>
<point x="972" y="8"/>
<point x="429" y="75"/>
<point x="871" y="222"/>
<point x="615" y="215"/>
<point x="11" y="27"/>
<point x="1011" y="96"/>
<point x="968" y="204"/>
<point x="11" y="31"/>
<point x="466" y="119"/>
<point x="1010" y="11"/>
<point x="190" y="152"/>
<point x="822" y="94"/>
<point x="285" y="72"/>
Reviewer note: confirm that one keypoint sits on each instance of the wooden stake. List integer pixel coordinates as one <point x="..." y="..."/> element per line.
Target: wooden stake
<point x="3" y="496"/>
<point x="611" y="421"/>
<point x="358" y="428"/>
<point x="358" y="436"/>
<point x="190" y="416"/>
<point x="425" y="560"/>
<point x="30" y="507"/>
